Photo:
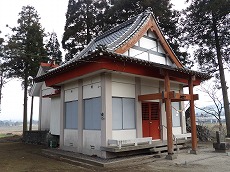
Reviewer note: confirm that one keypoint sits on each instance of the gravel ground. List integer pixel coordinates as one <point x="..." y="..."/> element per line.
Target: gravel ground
<point x="207" y="160"/>
<point x="17" y="156"/>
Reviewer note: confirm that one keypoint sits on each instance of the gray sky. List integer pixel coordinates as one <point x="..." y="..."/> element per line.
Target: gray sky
<point x="52" y="13"/>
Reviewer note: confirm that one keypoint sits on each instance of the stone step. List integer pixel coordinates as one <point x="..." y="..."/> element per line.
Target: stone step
<point x="70" y="156"/>
<point x="97" y="163"/>
<point x="164" y="149"/>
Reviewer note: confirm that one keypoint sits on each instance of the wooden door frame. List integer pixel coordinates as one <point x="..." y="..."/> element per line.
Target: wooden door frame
<point x="159" y="115"/>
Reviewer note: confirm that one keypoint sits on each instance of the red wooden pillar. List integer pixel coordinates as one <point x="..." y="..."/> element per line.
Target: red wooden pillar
<point x="192" y="117"/>
<point x="168" y="117"/>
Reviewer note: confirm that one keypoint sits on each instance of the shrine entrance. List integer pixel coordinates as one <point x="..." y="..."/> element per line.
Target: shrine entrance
<point x="151" y="120"/>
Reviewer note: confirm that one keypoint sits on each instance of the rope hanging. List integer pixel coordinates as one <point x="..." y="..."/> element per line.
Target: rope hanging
<point x="180" y="110"/>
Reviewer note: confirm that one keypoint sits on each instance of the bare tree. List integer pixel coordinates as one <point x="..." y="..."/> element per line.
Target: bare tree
<point x="213" y="93"/>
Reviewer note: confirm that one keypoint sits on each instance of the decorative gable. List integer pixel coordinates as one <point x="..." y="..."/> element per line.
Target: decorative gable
<point x="146" y="41"/>
<point x="149" y="48"/>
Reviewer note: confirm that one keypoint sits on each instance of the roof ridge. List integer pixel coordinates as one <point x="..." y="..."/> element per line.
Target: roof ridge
<point x="103" y="35"/>
<point x="133" y="28"/>
<point x="116" y="28"/>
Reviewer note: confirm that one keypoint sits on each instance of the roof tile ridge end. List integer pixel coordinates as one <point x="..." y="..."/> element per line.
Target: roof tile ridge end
<point x="115" y="28"/>
<point x="125" y="33"/>
<point x="134" y="27"/>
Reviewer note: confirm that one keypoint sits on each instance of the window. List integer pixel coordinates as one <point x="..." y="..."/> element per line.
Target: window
<point x="123" y="113"/>
<point x="71" y="114"/>
<point x="175" y="114"/>
<point x="92" y="113"/>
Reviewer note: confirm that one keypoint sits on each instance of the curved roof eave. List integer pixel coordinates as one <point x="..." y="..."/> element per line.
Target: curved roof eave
<point x="110" y="54"/>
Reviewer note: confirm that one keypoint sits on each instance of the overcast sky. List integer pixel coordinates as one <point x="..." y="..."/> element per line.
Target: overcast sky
<point x="52" y="13"/>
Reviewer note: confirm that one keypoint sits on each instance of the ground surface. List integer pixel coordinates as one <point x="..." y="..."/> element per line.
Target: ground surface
<point x="19" y="157"/>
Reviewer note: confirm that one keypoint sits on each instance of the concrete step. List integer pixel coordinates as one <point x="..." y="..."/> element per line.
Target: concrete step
<point x="164" y="149"/>
<point x="62" y="155"/>
<point x="98" y="163"/>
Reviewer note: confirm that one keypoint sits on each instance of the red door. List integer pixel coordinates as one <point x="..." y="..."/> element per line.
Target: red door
<point x="151" y="120"/>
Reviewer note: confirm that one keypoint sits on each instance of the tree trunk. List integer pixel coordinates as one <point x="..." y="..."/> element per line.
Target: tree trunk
<point x="31" y="113"/>
<point x="25" y="102"/>
<point x="222" y="77"/>
<point x="1" y="85"/>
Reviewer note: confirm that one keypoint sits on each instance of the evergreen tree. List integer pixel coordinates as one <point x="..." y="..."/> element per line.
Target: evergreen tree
<point x="53" y="49"/>
<point x="165" y="16"/>
<point x="24" y="51"/>
<point x="1" y="70"/>
<point x="1" y="46"/>
<point x="206" y="25"/>
<point x="83" y="22"/>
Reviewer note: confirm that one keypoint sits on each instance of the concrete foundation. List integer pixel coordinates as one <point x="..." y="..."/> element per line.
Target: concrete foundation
<point x="171" y="157"/>
<point x="194" y="152"/>
<point x="221" y="147"/>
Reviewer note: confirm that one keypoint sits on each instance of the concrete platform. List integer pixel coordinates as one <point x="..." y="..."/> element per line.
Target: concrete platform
<point x="100" y="164"/>
<point x="155" y="144"/>
<point x="147" y="153"/>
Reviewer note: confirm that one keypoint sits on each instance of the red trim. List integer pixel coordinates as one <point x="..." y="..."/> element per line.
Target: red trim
<point x="114" y="65"/>
<point x="51" y="95"/>
<point x="56" y="93"/>
<point x="49" y="65"/>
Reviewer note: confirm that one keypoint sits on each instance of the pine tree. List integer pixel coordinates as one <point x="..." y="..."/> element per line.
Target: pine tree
<point x="206" y="25"/>
<point x="24" y="51"/>
<point x="166" y="18"/>
<point x="53" y="49"/>
<point x="83" y="22"/>
<point x="1" y="69"/>
<point x="1" y="46"/>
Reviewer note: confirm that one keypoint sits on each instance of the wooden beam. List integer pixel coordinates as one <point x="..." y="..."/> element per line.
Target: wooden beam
<point x="185" y="97"/>
<point x="168" y="115"/>
<point x="155" y="96"/>
<point x="172" y="95"/>
<point x="192" y="117"/>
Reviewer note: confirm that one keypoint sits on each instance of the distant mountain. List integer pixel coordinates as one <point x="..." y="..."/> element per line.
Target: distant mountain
<point x="199" y="112"/>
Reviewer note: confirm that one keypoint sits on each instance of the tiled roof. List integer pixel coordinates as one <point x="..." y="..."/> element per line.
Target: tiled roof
<point x="91" y="57"/>
<point x="110" y="41"/>
<point x="115" y="37"/>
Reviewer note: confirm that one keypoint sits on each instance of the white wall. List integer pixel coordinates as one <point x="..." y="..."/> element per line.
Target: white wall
<point x="71" y="91"/>
<point x="150" y="49"/>
<point x="149" y="86"/>
<point x="92" y="87"/>
<point x="70" y="137"/>
<point x="71" y="94"/>
<point x="47" y="90"/>
<point x="45" y="103"/>
<point x="55" y="116"/>
<point x="176" y="130"/>
<point x="91" y="141"/>
<point x="160" y="49"/>
<point x="138" y="54"/>
<point x="123" y="86"/>
<point x="148" y="43"/>
<point x="157" y="59"/>
<point x="45" y="113"/>
<point x="124" y="134"/>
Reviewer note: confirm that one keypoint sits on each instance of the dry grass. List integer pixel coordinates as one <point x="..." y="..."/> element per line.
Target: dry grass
<point x="17" y="156"/>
